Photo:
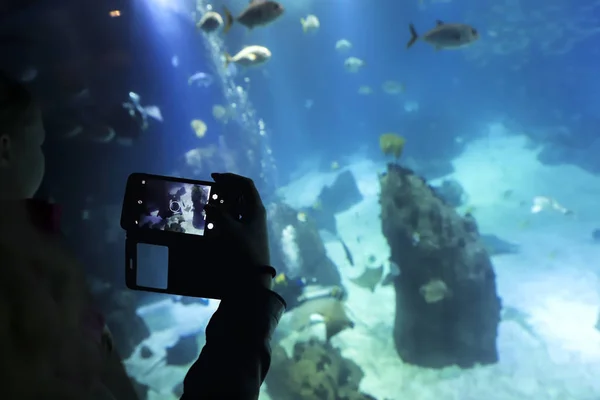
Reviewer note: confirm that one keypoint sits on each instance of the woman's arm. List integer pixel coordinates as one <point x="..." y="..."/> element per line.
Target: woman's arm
<point x="237" y="355"/>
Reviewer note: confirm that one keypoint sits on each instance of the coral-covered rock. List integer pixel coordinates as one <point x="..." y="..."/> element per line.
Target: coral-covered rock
<point x="451" y="191"/>
<point x="447" y="308"/>
<point x="342" y="194"/>
<point x="316" y="371"/>
<point x="297" y="248"/>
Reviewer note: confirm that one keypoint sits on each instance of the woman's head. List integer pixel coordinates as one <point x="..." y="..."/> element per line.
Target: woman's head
<point x="21" y="137"/>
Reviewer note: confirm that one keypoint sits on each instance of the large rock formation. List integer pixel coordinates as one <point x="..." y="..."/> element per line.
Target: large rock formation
<point x="342" y="194"/>
<point x="447" y="309"/>
<point x="297" y="248"/>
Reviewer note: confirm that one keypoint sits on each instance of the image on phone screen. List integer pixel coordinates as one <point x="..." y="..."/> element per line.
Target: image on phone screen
<point x="173" y="206"/>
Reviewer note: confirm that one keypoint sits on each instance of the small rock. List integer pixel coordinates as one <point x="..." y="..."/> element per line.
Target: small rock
<point x="145" y="352"/>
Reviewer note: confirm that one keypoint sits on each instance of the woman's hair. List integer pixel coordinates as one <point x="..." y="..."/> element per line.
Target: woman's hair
<point x="16" y="105"/>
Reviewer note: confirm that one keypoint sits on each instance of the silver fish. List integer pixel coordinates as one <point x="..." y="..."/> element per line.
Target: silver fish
<point x="134" y="105"/>
<point x="445" y="36"/>
<point x="257" y="13"/>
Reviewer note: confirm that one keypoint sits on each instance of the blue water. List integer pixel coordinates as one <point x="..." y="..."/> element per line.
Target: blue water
<point x="448" y="86"/>
<point x="314" y="116"/>
<point x="458" y="93"/>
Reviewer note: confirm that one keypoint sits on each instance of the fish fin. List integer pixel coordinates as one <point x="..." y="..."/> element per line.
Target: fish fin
<point x="228" y="19"/>
<point x="154" y="112"/>
<point x="439" y="22"/>
<point x="252" y="57"/>
<point x="438" y="48"/>
<point x="414" y="36"/>
<point x="228" y="59"/>
<point x="369" y="279"/>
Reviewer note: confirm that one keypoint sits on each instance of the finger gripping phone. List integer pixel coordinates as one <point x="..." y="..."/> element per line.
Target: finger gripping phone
<point x="172" y="245"/>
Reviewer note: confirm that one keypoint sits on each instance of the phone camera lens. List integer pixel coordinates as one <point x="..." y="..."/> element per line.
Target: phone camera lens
<point x="175" y="206"/>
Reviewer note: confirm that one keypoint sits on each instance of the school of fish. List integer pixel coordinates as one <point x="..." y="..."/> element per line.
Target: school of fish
<point x="261" y="13"/>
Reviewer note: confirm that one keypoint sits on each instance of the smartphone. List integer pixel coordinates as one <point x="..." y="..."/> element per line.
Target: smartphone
<point x="171" y="244"/>
<point x="168" y="204"/>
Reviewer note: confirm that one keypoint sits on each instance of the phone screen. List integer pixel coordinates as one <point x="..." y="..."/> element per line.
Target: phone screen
<point x="173" y="206"/>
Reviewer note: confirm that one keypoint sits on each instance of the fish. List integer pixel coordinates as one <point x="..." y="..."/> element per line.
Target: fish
<point x="541" y="203"/>
<point x="434" y="291"/>
<point x="310" y="24"/>
<point x="347" y="252"/>
<point x="354" y="64"/>
<point x="249" y="56"/>
<point x="223" y="114"/>
<point x="134" y="105"/>
<point x="370" y="278"/>
<point x="521" y="318"/>
<point x="445" y="36"/>
<point x="210" y="22"/>
<point x="313" y="292"/>
<point x="122" y="123"/>
<point x="328" y="310"/>
<point x="301" y="216"/>
<point x="343" y="45"/>
<point x="199" y="127"/>
<point x="201" y="79"/>
<point x="258" y="13"/>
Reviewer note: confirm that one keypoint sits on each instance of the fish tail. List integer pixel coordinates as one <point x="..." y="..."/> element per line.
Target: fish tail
<point x="228" y="20"/>
<point x="414" y="36"/>
<point x="302" y="22"/>
<point x="227" y="59"/>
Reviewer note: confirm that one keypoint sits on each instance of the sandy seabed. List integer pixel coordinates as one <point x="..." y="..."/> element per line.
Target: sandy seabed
<point x="554" y="279"/>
